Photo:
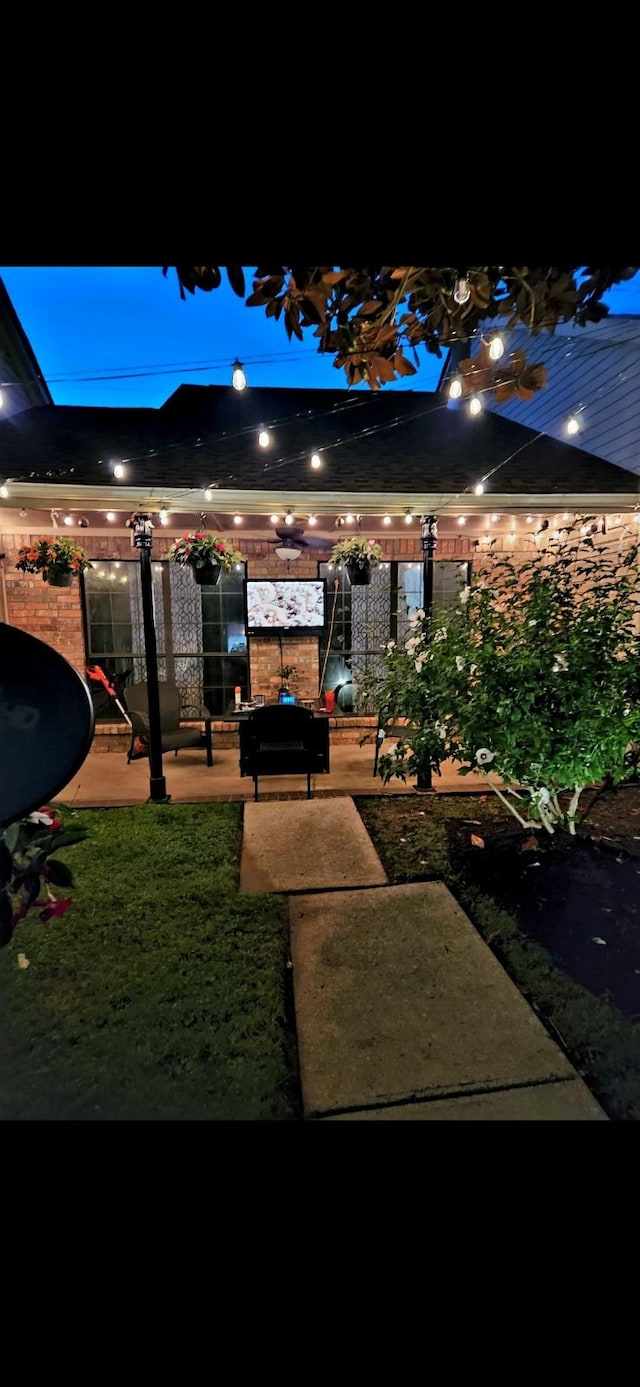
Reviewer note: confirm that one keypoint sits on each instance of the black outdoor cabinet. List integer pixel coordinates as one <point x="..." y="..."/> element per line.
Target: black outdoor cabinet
<point x="269" y="733"/>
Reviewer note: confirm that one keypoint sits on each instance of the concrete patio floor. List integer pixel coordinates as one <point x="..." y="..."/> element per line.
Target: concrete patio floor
<point x="105" y="778"/>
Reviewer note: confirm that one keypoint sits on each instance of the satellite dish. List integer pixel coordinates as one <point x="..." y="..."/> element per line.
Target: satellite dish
<point x="46" y="723"/>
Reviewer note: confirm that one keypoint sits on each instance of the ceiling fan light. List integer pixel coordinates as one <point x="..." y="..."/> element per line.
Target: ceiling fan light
<point x="287" y="552"/>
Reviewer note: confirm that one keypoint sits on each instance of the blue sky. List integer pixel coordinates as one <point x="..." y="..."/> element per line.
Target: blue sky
<point x="119" y="321"/>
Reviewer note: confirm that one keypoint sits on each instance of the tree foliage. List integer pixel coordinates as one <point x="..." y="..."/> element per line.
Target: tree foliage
<point x="533" y="678"/>
<point x="374" y="320"/>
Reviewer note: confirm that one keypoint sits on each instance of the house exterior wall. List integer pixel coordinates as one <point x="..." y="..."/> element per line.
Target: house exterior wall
<point x="54" y="615"/>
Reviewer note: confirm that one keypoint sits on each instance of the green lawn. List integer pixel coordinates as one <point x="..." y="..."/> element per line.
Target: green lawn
<point x="162" y="993"/>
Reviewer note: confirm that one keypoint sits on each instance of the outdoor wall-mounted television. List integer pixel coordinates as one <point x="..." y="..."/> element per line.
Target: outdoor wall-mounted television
<point x="288" y="604"/>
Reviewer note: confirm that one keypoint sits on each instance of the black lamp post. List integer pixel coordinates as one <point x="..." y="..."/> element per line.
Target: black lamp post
<point x="143" y="539"/>
<point x="428" y="540"/>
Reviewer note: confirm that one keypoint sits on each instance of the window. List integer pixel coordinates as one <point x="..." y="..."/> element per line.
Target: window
<point x="200" y="634"/>
<point x="363" y="619"/>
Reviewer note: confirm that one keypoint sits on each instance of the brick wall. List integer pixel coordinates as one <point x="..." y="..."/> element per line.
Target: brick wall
<point x="54" y="615"/>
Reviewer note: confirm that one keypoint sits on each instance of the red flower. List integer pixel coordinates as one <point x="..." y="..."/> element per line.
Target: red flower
<point x="55" y="908"/>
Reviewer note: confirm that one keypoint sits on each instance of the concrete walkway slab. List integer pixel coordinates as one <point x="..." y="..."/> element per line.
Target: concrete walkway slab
<point x="567" y="1101"/>
<point x="397" y="997"/>
<point x="306" y="845"/>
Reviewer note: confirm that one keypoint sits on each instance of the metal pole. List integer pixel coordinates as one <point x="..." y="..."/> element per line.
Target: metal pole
<point x="143" y="539"/>
<point x="429" y="539"/>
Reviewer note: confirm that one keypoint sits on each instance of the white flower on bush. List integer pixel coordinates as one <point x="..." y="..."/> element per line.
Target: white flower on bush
<point x="560" y="663"/>
<point x="416" y="616"/>
<point x="532" y="623"/>
<point x="412" y="644"/>
<point x="380" y="734"/>
<point x="419" y="663"/>
<point x="473" y="669"/>
<point x="440" y="635"/>
<point x="391" y="645"/>
<point x="484" y="756"/>
<point x="441" y="729"/>
<point x="42" y="816"/>
<point x="459" y="663"/>
<point x="465" y="595"/>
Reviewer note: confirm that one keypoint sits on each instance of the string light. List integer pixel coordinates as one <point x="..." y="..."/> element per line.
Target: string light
<point x="118" y="470"/>
<point x="496" y="347"/>
<point x="455" y="389"/>
<point x="462" y="519"/>
<point x="68" y="519"/>
<point x="386" y="519"/>
<point x="264" y="438"/>
<point x="275" y="519"/>
<point x="110" y="515"/>
<point x="312" y="520"/>
<point x="238" y="378"/>
<point x="572" y="425"/>
<point x="408" y="517"/>
<point x="164" y="516"/>
<point x="479" y="488"/>
<point x="348" y="519"/>
<point x="4" y="491"/>
<point x="462" y="292"/>
<point x="208" y="494"/>
<point x="288" y="519"/>
<point x="475" y="404"/>
<point x="316" y="461"/>
<point x="237" y="519"/>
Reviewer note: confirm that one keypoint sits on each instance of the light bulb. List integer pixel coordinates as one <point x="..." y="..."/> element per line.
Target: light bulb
<point x="118" y="470"/>
<point x="455" y="389"/>
<point x="263" y="438"/>
<point x="348" y="519"/>
<point x="312" y="520"/>
<point x="529" y="520"/>
<point x="68" y="519"/>
<point x="316" y="461"/>
<point x="408" y="518"/>
<point x="164" y="516"/>
<point x="493" y="518"/>
<point x="572" y="424"/>
<point x="386" y="520"/>
<point x="288" y="519"/>
<point x="512" y="537"/>
<point x="23" y="513"/>
<point x="1" y="399"/>
<point x="208" y="494"/>
<point x="462" y="292"/>
<point x="238" y="379"/>
<point x="462" y="519"/>
<point x="496" y="348"/>
<point x="4" y="491"/>
<point x="275" y="519"/>
<point x="237" y="519"/>
<point x="475" y="404"/>
<point x="111" y="515"/>
<point x="479" y="488"/>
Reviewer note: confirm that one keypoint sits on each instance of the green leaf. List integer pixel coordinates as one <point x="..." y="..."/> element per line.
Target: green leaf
<point x="58" y="873"/>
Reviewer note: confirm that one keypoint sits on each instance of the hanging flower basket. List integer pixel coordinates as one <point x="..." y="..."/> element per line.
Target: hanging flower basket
<point x="208" y="575"/>
<point x="206" y="555"/>
<point x="59" y="580"/>
<point x="58" y="560"/>
<point x="359" y="574"/>
<point x="359" y="557"/>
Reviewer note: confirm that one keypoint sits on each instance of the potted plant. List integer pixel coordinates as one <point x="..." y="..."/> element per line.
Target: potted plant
<point x="58" y="560"/>
<point x="206" y="555"/>
<point x="286" y="673"/>
<point x="359" y="556"/>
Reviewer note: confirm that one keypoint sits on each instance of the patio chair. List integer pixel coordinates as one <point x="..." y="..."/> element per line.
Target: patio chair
<point x="279" y="739"/>
<point x="174" y="736"/>
<point x="393" y="727"/>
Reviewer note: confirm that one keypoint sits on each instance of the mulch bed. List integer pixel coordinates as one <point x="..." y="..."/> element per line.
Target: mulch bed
<point x="578" y="897"/>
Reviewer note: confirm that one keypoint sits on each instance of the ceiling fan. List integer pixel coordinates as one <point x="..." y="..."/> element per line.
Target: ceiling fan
<point x="292" y="542"/>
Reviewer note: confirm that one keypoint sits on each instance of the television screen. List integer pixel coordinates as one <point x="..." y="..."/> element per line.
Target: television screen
<point x="295" y="604"/>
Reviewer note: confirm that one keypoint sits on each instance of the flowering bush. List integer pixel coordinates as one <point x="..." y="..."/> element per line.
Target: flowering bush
<point x="27" y="871"/>
<point x="533" y="678"/>
<point x="198" y="550"/>
<point x="356" y="550"/>
<point x="52" y="556"/>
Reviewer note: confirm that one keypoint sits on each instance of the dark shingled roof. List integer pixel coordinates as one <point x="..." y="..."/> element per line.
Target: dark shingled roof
<point x="401" y="441"/>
